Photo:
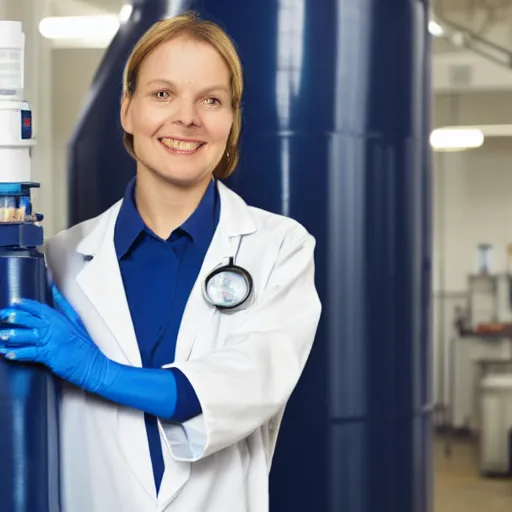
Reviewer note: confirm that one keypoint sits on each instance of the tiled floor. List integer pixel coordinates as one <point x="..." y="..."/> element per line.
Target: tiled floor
<point x="459" y="488"/>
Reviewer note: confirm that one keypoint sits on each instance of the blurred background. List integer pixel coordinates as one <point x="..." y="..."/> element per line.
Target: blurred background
<point x="472" y="257"/>
<point x="471" y="139"/>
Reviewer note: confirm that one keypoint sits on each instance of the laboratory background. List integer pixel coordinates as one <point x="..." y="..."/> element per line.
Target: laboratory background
<point x="385" y="127"/>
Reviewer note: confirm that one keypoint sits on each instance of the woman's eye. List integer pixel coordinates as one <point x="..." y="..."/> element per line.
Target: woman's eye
<point x="162" y="95"/>
<point x="212" y="101"/>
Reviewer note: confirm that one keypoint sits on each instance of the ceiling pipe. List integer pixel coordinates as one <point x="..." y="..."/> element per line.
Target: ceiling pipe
<point x="463" y="38"/>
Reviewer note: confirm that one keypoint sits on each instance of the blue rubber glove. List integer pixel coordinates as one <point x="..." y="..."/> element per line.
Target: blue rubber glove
<point x="58" y="339"/>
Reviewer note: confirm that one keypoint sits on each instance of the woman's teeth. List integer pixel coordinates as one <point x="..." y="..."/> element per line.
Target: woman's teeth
<point x="180" y="145"/>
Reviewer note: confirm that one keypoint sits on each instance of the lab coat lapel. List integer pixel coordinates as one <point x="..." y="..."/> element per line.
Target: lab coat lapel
<point x="196" y="317"/>
<point x="101" y="281"/>
<point x="198" y="311"/>
<point x="234" y="222"/>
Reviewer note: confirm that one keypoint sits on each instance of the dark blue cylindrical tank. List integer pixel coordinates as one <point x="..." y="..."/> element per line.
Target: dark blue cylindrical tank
<point x="29" y="450"/>
<point x="336" y="133"/>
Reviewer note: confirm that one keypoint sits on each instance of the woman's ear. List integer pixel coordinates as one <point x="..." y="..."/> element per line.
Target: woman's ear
<point x="125" y="114"/>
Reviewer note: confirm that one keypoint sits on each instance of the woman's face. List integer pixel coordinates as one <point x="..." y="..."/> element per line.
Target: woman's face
<point x="180" y="115"/>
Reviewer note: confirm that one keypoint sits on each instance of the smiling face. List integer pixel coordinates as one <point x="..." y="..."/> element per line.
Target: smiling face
<point x="180" y="114"/>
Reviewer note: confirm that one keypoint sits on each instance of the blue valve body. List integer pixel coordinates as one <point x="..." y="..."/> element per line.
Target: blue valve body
<point x="29" y="456"/>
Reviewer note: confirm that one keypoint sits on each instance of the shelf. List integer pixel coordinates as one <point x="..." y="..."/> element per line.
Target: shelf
<point x="486" y="335"/>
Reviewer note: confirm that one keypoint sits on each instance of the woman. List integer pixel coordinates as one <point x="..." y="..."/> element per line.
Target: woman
<point x="176" y="379"/>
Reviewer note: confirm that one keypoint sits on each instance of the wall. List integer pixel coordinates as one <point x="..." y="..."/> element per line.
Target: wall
<point x="56" y="84"/>
<point x="72" y="75"/>
<point x="472" y="205"/>
<point x="472" y="189"/>
<point x="473" y="108"/>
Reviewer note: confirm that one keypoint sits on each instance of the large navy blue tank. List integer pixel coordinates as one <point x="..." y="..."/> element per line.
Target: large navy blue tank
<point x="336" y="133"/>
<point x="29" y="451"/>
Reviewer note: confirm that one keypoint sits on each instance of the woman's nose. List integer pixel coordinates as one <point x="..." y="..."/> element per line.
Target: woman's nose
<point x="185" y="114"/>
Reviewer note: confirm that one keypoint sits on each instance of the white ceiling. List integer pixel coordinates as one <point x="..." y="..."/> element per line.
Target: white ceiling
<point x="468" y="5"/>
<point x="85" y="7"/>
<point x="449" y="61"/>
<point x="113" y="6"/>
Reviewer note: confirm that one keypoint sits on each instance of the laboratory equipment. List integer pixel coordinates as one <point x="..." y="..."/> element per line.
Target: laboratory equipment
<point x="29" y="469"/>
<point x="495" y="447"/>
<point x="484" y="255"/>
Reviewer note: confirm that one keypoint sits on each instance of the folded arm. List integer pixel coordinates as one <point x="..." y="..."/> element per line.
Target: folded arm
<point x="253" y="375"/>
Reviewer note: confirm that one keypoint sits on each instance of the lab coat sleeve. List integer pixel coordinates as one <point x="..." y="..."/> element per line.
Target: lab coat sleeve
<point x="248" y="381"/>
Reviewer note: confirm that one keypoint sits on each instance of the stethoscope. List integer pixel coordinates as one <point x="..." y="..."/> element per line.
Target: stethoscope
<point x="228" y="286"/>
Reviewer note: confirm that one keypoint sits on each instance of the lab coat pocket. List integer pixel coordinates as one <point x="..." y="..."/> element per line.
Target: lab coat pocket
<point x="212" y="333"/>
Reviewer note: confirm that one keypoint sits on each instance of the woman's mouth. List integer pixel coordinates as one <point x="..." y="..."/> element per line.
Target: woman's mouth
<point x="183" y="147"/>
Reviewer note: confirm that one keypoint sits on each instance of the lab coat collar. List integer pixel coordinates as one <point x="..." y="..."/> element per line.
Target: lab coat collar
<point x="101" y="281"/>
<point x="235" y="219"/>
<point x="130" y="225"/>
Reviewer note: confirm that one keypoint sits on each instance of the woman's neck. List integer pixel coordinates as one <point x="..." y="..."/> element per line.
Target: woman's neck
<point x="165" y="206"/>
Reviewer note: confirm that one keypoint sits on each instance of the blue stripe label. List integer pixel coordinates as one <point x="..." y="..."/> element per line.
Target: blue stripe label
<point x="26" y="124"/>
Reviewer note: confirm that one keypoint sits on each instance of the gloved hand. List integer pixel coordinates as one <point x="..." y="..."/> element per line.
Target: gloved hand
<point x="58" y="339"/>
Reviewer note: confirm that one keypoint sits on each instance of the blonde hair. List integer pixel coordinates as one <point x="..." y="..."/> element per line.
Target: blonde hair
<point x="206" y="31"/>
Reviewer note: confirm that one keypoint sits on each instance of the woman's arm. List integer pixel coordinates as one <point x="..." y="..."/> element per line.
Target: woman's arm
<point x="248" y="380"/>
<point x="35" y="332"/>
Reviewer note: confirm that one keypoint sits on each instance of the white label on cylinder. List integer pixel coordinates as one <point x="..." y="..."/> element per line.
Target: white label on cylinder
<point x="15" y="165"/>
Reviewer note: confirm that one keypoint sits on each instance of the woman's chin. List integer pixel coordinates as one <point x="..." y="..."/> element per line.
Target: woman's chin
<point x="183" y="176"/>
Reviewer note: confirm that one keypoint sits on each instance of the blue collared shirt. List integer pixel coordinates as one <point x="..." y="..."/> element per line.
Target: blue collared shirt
<point x="158" y="276"/>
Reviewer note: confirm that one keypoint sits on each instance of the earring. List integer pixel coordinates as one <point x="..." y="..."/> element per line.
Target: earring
<point x="227" y="154"/>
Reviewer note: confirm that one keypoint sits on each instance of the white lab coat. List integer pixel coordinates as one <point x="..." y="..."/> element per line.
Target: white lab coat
<point x="243" y="367"/>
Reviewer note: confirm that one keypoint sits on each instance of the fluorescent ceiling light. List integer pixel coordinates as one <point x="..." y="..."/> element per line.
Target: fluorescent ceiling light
<point x="435" y="29"/>
<point x="456" y="139"/>
<point x="80" y="27"/>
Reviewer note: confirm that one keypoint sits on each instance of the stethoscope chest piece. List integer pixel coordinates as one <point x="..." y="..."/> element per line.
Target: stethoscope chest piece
<point x="228" y="286"/>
